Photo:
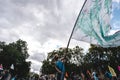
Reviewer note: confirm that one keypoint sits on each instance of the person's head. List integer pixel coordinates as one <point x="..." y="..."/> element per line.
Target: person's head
<point x="56" y="57"/>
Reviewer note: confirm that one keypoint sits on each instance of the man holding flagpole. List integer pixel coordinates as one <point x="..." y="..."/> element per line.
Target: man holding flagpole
<point x="60" y="67"/>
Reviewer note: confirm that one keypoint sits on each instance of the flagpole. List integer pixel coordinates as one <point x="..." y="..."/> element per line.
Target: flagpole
<point x="75" y="25"/>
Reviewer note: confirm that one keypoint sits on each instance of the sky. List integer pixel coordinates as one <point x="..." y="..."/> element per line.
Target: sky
<point x="45" y="25"/>
<point x="115" y="22"/>
<point x="115" y="18"/>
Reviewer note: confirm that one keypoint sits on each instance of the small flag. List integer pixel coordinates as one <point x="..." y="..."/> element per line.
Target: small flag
<point x="88" y="72"/>
<point x="12" y="67"/>
<point x="83" y="76"/>
<point x="112" y="71"/>
<point x="119" y="68"/>
<point x="1" y="67"/>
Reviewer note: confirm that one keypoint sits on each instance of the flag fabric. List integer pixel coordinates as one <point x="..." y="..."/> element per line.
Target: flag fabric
<point x="119" y="68"/>
<point x="112" y="71"/>
<point x="93" y="24"/>
<point x="88" y="72"/>
<point x="12" y="67"/>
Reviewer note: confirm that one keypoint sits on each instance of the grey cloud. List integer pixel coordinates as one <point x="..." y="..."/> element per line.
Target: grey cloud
<point x="37" y="56"/>
<point x="8" y="35"/>
<point x="36" y="67"/>
<point x="46" y="3"/>
<point x="55" y="22"/>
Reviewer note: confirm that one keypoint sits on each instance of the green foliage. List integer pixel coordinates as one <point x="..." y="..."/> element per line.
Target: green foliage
<point x="74" y="55"/>
<point x="36" y="76"/>
<point x="47" y="67"/>
<point x="100" y="58"/>
<point x="23" y="69"/>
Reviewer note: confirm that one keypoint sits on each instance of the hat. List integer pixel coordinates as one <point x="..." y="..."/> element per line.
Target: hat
<point x="62" y="58"/>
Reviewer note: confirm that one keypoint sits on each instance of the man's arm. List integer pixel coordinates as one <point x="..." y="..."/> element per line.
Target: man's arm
<point x="57" y="69"/>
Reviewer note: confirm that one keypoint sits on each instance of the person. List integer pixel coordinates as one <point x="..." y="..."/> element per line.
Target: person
<point x="108" y="75"/>
<point x="6" y="75"/>
<point x="94" y="74"/>
<point x="60" y="68"/>
<point x="13" y="78"/>
<point x="1" y="71"/>
<point x="55" y="59"/>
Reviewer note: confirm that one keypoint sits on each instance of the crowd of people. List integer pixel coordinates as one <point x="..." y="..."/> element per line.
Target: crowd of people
<point x="73" y="76"/>
<point x="92" y="74"/>
<point x="7" y="74"/>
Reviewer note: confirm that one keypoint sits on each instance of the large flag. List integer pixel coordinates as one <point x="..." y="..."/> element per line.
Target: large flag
<point x="112" y="71"/>
<point x="93" y="24"/>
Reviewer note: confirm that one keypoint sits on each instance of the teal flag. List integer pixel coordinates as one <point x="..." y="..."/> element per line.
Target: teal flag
<point x="94" y="24"/>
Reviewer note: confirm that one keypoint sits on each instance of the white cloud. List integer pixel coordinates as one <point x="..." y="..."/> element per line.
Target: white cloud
<point x="35" y="67"/>
<point x="116" y="1"/>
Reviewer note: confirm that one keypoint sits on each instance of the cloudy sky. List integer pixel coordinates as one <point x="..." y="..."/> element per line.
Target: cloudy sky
<point x="44" y="24"/>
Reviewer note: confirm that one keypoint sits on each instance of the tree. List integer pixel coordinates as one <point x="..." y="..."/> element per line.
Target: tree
<point x="99" y="57"/>
<point x="15" y="53"/>
<point x="47" y="67"/>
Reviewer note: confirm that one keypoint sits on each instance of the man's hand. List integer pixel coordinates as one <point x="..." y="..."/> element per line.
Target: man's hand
<point x="59" y="71"/>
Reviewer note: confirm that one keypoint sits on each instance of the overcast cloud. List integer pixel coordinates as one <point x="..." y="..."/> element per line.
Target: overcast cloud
<point x="45" y="24"/>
